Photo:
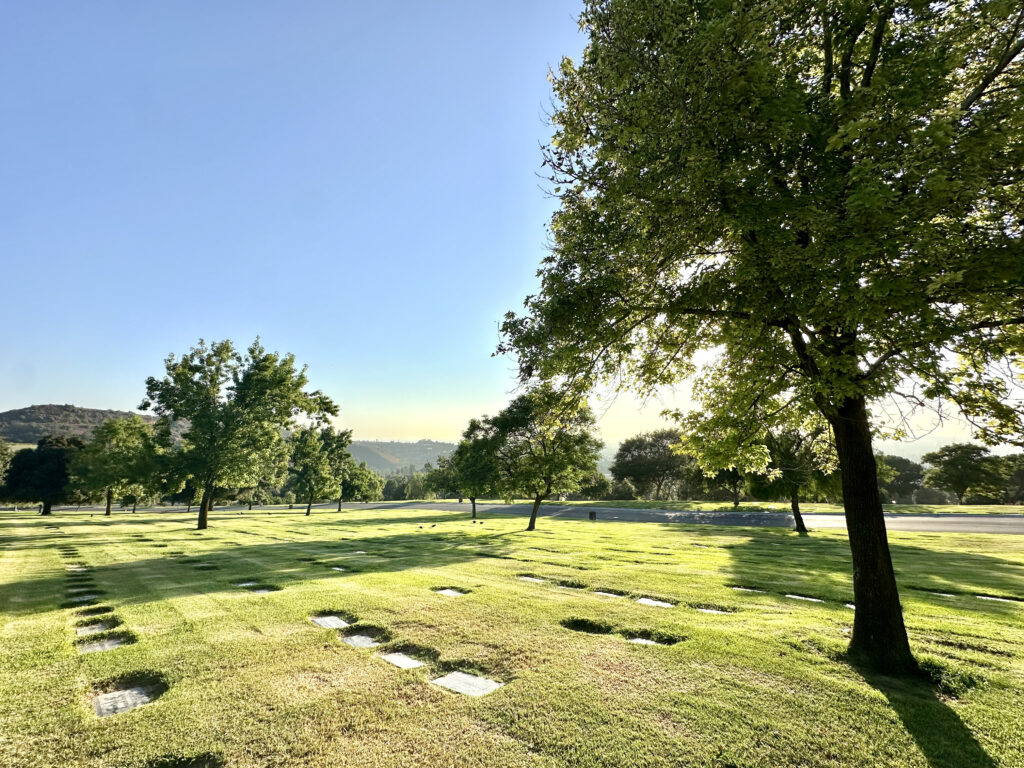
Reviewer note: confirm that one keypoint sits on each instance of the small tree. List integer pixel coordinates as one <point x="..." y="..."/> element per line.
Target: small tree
<point x="905" y="479"/>
<point x="958" y="468"/>
<point x="121" y="454"/>
<point x="652" y="463"/>
<point x="42" y="473"/>
<point x="5" y="460"/>
<point x="475" y="462"/>
<point x="236" y="407"/>
<point x="543" y="445"/>
<point x="361" y="484"/>
<point x="314" y="472"/>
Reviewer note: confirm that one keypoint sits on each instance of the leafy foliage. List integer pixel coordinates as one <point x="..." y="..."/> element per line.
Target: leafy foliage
<point x="42" y="473"/>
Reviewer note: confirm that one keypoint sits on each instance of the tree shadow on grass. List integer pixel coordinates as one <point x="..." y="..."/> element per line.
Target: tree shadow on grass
<point x="943" y="738"/>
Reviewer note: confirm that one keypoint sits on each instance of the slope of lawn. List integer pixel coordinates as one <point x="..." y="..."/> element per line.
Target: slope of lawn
<point x="247" y="680"/>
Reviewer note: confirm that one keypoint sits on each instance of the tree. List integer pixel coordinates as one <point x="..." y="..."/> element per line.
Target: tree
<point x="906" y="478"/>
<point x="543" y="444"/>
<point x="361" y="484"/>
<point x="960" y="467"/>
<point x="120" y="456"/>
<point x="442" y="480"/>
<point x="475" y="462"/>
<point x="797" y="455"/>
<point x="236" y="407"/>
<point x="42" y="473"/>
<point x="5" y="459"/>
<point x="652" y="463"/>
<point x="312" y="473"/>
<point x="270" y="475"/>
<point x="820" y="199"/>
<point x="336" y="445"/>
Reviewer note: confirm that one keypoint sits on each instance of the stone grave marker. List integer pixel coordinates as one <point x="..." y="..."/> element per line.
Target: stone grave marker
<point x="654" y="603"/>
<point x="329" y="622"/>
<point x="804" y="597"/>
<point x="92" y="629"/>
<point x="450" y="592"/>
<point x="402" y="661"/>
<point x="360" y="641"/>
<point x="116" y="702"/>
<point x="106" y="644"/>
<point x="470" y="685"/>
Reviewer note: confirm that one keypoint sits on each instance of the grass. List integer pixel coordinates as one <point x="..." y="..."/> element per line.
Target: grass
<point x="247" y="680"/>
<point x="808" y="508"/>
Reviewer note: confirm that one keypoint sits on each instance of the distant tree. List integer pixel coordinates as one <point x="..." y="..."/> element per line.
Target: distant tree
<point x="336" y="443"/>
<point x="122" y="454"/>
<point x="544" y="444"/>
<point x="797" y="455"/>
<point x="653" y="463"/>
<point x="1010" y="472"/>
<point x="906" y="479"/>
<point x="362" y="484"/>
<point x="271" y="474"/>
<point x="475" y="462"/>
<point x="312" y="473"/>
<point x="594" y="486"/>
<point x="442" y="480"/>
<point x="958" y="468"/>
<point x="42" y="473"/>
<point x="5" y="460"/>
<point x="236" y="407"/>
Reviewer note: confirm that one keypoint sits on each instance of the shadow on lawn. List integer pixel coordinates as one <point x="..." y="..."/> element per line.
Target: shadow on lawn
<point x="202" y="568"/>
<point x="942" y="736"/>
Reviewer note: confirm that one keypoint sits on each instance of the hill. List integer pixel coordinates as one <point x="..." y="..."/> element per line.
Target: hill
<point x="386" y="457"/>
<point x="28" y="425"/>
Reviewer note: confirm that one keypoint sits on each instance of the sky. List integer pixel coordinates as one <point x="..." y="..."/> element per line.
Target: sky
<point x="359" y="184"/>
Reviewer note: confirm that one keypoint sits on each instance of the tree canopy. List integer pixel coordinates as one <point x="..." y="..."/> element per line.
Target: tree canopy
<point x="42" y="473"/>
<point x="813" y="201"/>
<point x="121" y="458"/>
<point x="236" y="405"/>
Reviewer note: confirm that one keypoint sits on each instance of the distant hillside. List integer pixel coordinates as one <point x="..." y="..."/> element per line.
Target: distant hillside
<point x="28" y="425"/>
<point x="385" y="457"/>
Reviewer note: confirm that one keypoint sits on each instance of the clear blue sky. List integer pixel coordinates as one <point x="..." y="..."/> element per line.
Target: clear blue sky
<point x="357" y="183"/>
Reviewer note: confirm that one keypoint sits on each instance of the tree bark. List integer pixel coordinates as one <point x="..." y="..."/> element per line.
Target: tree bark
<point x="204" y="504"/>
<point x="47" y="508"/>
<point x="134" y="505"/>
<point x="309" y="504"/>
<point x="339" y="503"/>
<point x="250" y="506"/>
<point x="794" y="502"/>
<point x="533" y="515"/>
<point x="110" y="501"/>
<point x="472" y="500"/>
<point x="879" y="636"/>
<point x="189" y="508"/>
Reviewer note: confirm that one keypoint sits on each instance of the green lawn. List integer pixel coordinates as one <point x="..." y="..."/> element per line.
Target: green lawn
<point x="248" y="680"/>
<point x="809" y="508"/>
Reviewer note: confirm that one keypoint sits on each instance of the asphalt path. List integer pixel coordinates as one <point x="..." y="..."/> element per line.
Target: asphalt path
<point x="946" y="523"/>
<point x="937" y="523"/>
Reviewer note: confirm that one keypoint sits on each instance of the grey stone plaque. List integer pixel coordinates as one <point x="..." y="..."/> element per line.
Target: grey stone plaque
<point x="450" y="592"/>
<point x="116" y="702"/>
<point x="804" y="597"/>
<point x="402" y="661"/>
<point x="471" y="685"/>
<point x="360" y="641"/>
<point x="106" y="644"/>
<point x="92" y="629"/>
<point x="655" y="603"/>
<point x="329" y="622"/>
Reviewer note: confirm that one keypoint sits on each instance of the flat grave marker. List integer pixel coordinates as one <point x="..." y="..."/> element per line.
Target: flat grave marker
<point x="470" y="685"/>
<point x="533" y="579"/>
<point x="643" y="641"/>
<point x="83" y="598"/>
<point x="654" y="603"/>
<point x="449" y="592"/>
<point x="92" y="629"/>
<point x="116" y="702"/>
<point x="329" y="622"/>
<point x="606" y="594"/>
<point x="805" y="598"/>
<point x="402" y="661"/>
<point x="106" y="644"/>
<point x="360" y="641"/>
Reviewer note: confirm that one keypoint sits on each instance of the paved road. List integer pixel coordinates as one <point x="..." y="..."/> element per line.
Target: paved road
<point x="936" y="523"/>
<point x="947" y="523"/>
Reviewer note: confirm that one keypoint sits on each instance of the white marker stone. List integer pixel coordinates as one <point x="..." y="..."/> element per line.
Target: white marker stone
<point x="116" y="702"/>
<point x="851" y="606"/>
<point x="246" y="583"/>
<point x="643" y="641"/>
<point x="996" y="599"/>
<point x="262" y="591"/>
<point x="106" y="644"/>
<point x="402" y="661"/>
<point x="75" y="568"/>
<point x="712" y="610"/>
<point x="534" y="579"/>
<point x="360" y="641"/>
<point x="92" y="629"/>
<point x="804" y="597"/>
<point x="471" y="685"/>
<point x="655" y="603"/>
<point x="359" y="552"/>
<point x="329" y="622"/>
<point x="450" y="592"/>
<point x="606" y="594"/>
<point x="79" y="590"/>
<point x="942" y="594"/>
<point x="337" y="568"/>
<point x="83" y="598"/>
<point x="747" y="589"/>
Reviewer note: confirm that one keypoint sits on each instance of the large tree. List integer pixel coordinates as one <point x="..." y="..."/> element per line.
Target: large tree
<point x="475" y="463"/>
<point x="42" y="473"/>
<point x="121" y="459"/>
<point x="653" y="463"/>
<point x="361" y="483"/>
<point x="905" y="478"/>
<point x="318" y="464"/>
<point x="236" y="406"/>
<point x="5" y="459"/>
<point x="543" y="443"/>
<point x="818" y="201"/>
<point x="959" y="468"/>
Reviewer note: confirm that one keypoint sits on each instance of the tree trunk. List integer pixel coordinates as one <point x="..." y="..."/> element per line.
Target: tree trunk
<point x="110" y="501"/>
<point x="189" y="508"/>
<point x="309" y="504"/>
<point x="472" y="500"/>
<point x="134" y="505"/>
<point x="879" y="635"/>
<point x="736" y="496"/>
<point x="339" y="503"/>
<point x="47" y="508"/>
<point x="204" y="504"/>
<point x="794" y="501"/>
<point x="250" y="506"/>
<point x="533" y="515"/>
